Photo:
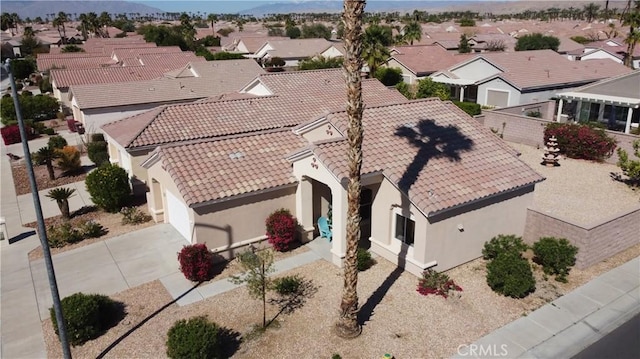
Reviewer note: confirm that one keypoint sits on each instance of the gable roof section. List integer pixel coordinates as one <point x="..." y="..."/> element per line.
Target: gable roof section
<point x="623" y="90"/>
<point x="297" y="48"/>
<point x="546" y="68"/>
<point x="445" y="158"/>
<point x="423" y="60"/>
<point x="168" y="89"/>
<point x="289" y="107"/>
<point x="68" y="62"/>
<point x="93" y="76"/>
<point x="212" y="171"/>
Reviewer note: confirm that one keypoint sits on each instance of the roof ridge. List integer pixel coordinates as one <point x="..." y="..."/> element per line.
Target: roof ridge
<point x="407" y="102"/>
<point x="284" y="73"/>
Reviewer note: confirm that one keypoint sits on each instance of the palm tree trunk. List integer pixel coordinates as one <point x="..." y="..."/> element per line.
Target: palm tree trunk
<point x="347" y="325"/>
<point x="63" y="204"/>
<point x="52" y="175"/>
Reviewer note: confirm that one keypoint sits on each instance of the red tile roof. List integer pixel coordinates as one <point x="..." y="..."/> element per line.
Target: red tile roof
<point x="300" y="97"/>
<point x="66" y="78"/>
<point x="219" y="169"/>
<point x="86" y="62"/>
<point x="423" y="60"/>
<point x="431" y="150"/>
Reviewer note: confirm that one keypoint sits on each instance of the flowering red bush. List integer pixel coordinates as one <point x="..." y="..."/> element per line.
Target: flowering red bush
<point x="433" y="282"/>
<point x="196" y="262"/>
<point x="281" y="229"/>
<point x="11" y="134"/>
<point x="581" y="141"/>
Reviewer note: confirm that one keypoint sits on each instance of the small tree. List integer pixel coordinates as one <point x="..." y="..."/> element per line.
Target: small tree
<point x="108" y="186"/>
<point x="57" y="142"/>
<point x="537" y="41"/>
<point x="61" y="196"/>
<point x="258" y="267"/>
<point x="464" y="47"/>
<point x="429" y="88"/>
<point x="98" y="152"/>
<point x="320" y="62"/>
<point x="630" y="167"/>
<point x="47" y="155"/>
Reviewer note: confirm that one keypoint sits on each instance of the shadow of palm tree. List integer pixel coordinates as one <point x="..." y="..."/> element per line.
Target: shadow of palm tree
<point x="432" y="141"/>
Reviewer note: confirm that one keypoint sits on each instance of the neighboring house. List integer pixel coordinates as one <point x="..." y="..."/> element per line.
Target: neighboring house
<point x="597" y="54"/>
<point x="614" y="47"/>
<point x="434" y="190"/>
<point x="420" y="61"/>
<point x="614" y="102"/>
<point x="570" y="48"/>
<point x="96" y="105"/>
<point x="292" y="51"/>
<point x="511" y="78"/>
<point x="77" y="60"/>
<point x="249" y="44"/>
<point x="270" y="102"/>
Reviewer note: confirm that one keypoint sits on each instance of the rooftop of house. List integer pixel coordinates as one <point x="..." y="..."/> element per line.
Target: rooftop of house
<point x="298" y="48"/>
<point x="166" y="89"/>
<point x="252" y="43"/>
<point x="545" y="68"/>
<point x="74" y="62"/>
<point x="425" y="59"/>
<point x="296" y="97"/>
<point x="614" y="45"/>
<point x="623" y="89"/>
<point x="432" y="151"/>
<point x="214" y="170"/>
<point x="64" y="78"/>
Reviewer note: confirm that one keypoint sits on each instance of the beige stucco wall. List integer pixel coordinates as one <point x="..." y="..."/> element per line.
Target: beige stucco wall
<point x="322" y="132"/>
<point x="451" y="247"/>
<point x="239" y="220"/>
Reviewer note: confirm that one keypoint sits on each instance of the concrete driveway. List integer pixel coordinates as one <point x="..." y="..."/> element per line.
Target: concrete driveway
<point x="110" y="266"/>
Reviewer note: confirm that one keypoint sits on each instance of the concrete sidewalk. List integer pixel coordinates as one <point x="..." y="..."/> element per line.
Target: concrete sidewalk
<point x="569" y="324"/>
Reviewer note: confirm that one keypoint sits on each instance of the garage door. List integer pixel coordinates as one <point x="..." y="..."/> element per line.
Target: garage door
<point x="497" y="98"/>
<point x="178" y="215"/>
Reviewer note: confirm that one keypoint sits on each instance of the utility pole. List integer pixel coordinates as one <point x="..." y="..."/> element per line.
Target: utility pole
<point x="53" y="285"/>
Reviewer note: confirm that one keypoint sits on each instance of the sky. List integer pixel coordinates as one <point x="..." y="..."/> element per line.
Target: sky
<point x="225" y="6"/>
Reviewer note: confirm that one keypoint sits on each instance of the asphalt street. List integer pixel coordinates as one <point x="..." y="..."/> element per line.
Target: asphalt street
<point x="622" y="343"/>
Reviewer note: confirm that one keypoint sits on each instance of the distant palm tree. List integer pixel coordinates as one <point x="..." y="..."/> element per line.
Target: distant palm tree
<point x="374" y="47"/>
<point x="631" y="18"/>
<point x="412" y="32"/>
<point x="46" y="155"/>
<point x="61" y="196"/>
<point x="212" y="18"/>
<point x="347" y="325"/>
<point x="591" y="11"/>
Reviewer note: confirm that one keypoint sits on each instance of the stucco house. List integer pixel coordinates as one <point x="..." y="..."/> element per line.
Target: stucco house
<point x="420" y="61"/>
<point x="513" y="78"/>
<point x="292" y="51"/>
<point x="614" y="102"/>
<point x="436" y="184"/>
<point x="615" y="48"/>
<point x="95" y="105"/>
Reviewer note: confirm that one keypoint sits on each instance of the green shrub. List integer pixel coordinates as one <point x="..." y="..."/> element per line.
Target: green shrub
<point x="472" y="108"/>
<point x="389" y="76"/>
<point x="108" y="186"/>
<point x="581" y="141"/>
<point x="57" y="142"/>
<point x="132" y="215"/>
<point x="87" y="316"/>
<point x="193" y="338"/>
<point x="510" y="274"/>
<point x="288" y="285"/>
<point x="556" y="256"/>
<point x="91" y="229"/>
<point x="631" y="168"/>
<point x="501" y="244"/>
<point x="98" y="152"/>
<point x="97" y="137"/>
<point x="61" y="235"/>
<point x="49" y="131"/>
<point x="364" y="260"/>
<point x="433" y="282"/>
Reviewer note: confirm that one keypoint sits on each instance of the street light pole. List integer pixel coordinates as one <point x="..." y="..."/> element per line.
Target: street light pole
<point x="57" y="307"/>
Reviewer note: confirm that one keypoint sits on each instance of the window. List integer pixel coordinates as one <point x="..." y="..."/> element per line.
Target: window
<point x="405" y="229"/>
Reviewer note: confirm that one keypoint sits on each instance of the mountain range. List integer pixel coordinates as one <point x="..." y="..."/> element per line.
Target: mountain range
<point x="34" y="9"/>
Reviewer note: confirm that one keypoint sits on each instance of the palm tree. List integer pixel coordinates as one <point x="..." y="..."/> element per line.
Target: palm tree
<point x="374" y="46"/>
<point x="347" y="325"/>
<point x="46" y="155"/>
<point x="631" y="18"/>
<point x="412" y="32"/>
<point x="591" y="11"/>
<point x="212" y="18"/>
<point x="61" y="196"/>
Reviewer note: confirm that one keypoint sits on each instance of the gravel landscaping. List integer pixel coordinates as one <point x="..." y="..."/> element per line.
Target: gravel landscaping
<point x="578" y="190"/>
<point x="400" y="321"/>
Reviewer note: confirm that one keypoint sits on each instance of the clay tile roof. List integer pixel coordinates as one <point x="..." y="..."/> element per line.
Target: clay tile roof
<point x="74" y="63"/>
<point x="123" y="53"/>
<point x="299" y="48"/>
<point x="431" y="150"/>
<point x="426" y="59"/>
<point x="544" y="68"/>
<point x="296" y="100"/>
<point x="215" y="170"/>
<point x="66" y="78"/>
